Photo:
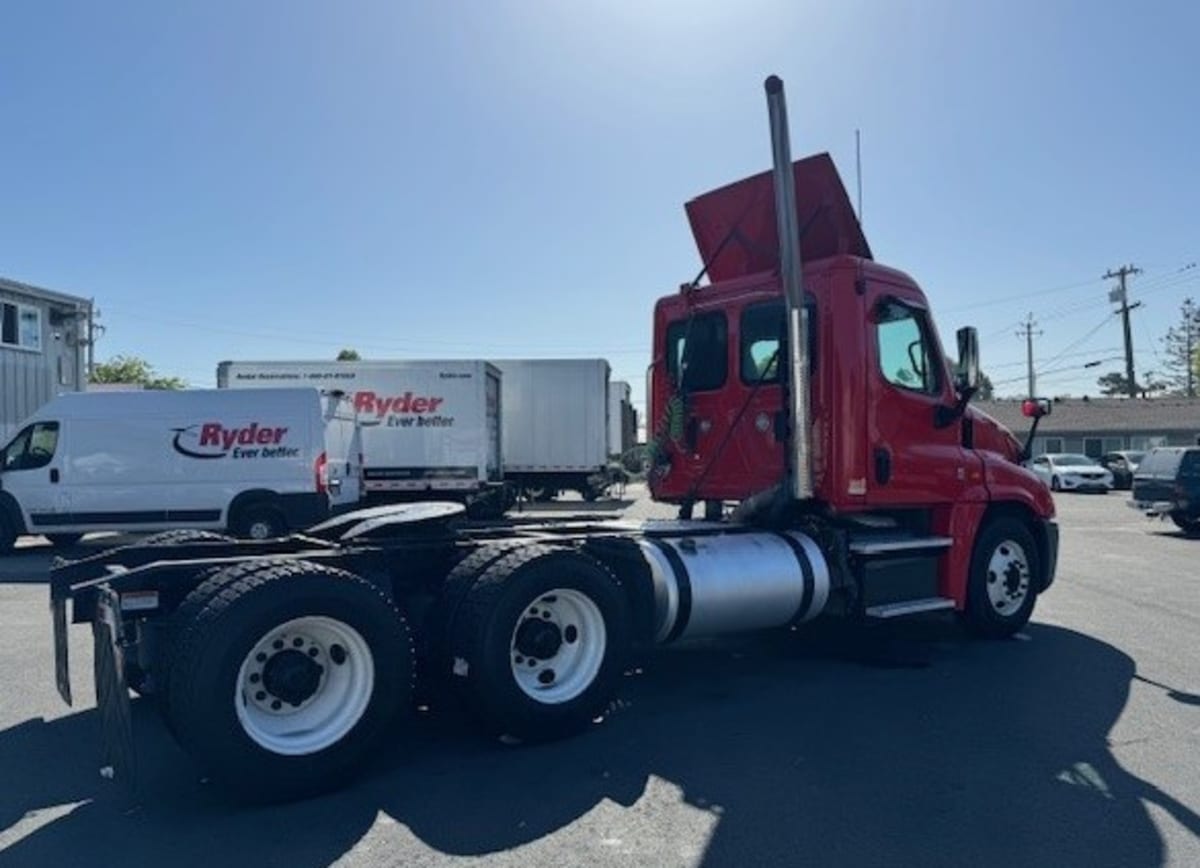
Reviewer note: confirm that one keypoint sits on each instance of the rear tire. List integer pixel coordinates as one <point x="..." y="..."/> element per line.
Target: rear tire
<point x="1003" y="583"/>
<point x="183" y="536"/>
<point x="259" y="521"/>
<point x="540" y="643"/>
<point x="286" y="676"/>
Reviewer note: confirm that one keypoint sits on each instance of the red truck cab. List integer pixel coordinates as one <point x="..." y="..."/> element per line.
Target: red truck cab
<point x="890" y="435"/>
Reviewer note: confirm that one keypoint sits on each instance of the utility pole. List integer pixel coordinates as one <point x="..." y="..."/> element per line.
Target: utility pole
<point x="1027" y="331"/>
<point x="1120" y="295"/>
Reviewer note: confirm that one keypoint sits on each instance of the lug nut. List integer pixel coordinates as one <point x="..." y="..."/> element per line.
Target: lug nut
<point x="277" y="644"/>
<point x="313" y="652"/>
<point x="255" y="678"/>
<point x="260" y="696"/>
<point x="276" y="705"/>
<point x="260" y="657"/>
<point x="297" y="642"/>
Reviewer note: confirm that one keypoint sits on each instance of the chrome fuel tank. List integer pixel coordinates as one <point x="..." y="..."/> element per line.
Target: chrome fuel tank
<point x="712" y="583"/>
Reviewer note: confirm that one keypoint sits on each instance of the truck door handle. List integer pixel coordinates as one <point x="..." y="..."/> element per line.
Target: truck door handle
<point x="54" y="474"/>
<point x="883" y="466"/>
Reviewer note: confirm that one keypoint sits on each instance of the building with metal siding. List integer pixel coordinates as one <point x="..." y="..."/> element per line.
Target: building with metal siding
<point x="43" y="349"/>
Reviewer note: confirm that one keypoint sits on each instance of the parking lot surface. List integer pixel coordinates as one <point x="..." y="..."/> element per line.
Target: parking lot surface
<point x="1077" y="743"/>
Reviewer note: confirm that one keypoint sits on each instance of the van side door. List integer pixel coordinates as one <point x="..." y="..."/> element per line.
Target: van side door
<point x="31" y="465"/>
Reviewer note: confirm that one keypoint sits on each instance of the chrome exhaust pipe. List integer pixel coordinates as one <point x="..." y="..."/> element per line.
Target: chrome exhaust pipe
<point x="790" y="268"/>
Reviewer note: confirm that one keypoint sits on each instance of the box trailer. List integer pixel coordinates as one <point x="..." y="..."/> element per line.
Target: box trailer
<point x="430" y="428"/>
<point x="257" y="465"/>
<point x="555" y="425"/>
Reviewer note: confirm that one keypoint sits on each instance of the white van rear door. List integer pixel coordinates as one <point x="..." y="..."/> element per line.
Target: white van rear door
<point x="343" y="451"/>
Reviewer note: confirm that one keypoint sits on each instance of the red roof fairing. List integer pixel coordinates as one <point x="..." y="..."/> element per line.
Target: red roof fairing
<point x="827" y="221"/>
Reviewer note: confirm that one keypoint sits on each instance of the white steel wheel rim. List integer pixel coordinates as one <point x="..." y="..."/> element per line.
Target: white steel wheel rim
<point x="285" y="722"/>
<point x="1008" y="577"/>
<point x="578" y="654"/>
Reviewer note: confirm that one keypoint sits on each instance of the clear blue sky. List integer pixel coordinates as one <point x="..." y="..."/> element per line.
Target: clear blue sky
<point x="281" y="179"/>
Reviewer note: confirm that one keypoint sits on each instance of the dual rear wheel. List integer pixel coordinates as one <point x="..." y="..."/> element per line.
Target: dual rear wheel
<point x="283" y="678"/>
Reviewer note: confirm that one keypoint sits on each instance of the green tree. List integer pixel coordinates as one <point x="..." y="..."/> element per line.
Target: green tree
<point x="349" y="355"/>
<point x="133" y="370"/>
<point x="1181" y="352"/>
<point x="1115" y="385"/>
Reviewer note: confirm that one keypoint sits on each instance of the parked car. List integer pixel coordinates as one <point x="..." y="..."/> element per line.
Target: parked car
<point x="1167" y="483"/>
<point x="1122" y="464"/>
<point x="1065" y="471"/>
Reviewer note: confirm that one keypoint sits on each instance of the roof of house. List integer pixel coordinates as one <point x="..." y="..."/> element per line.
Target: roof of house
<point x="50" y="295"/>
<point x="1088" y="415"/>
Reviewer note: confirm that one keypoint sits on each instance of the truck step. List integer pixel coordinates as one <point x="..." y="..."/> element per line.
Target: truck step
<point x="909" y="607"/>
<point x="888" y="545"/>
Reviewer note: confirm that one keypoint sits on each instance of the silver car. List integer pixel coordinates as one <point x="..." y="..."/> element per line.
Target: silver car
<point x="1066" y="471"/>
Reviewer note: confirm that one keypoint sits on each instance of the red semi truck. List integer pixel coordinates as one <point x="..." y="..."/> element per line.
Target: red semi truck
<point x="801" y="398"/>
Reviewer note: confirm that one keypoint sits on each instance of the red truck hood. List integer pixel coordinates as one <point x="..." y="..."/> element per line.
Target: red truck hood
<point x="746" y="208"/>
<point x="992" y="436"/>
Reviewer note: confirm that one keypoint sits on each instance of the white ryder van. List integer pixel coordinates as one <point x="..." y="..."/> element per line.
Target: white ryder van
<point x="258" y="463"/>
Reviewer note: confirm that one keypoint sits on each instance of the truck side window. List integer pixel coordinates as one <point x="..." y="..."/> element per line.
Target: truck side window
<point x="763" y="341"/>
<point x="905" y="350"/>
<point x="32" y="448"/>
<point x="698" y="352"/>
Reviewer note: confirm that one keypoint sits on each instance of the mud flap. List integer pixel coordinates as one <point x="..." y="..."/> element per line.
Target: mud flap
<point x="119" y="761"/>
<point x="62" y="663"/>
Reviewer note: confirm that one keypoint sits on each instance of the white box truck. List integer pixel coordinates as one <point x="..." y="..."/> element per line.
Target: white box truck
<point x="431" y="429"/>
<point x="257" y="465"/>
<point x="555" y="425"/>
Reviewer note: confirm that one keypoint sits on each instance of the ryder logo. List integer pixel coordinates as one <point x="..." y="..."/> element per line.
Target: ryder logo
<point x="214" y="440"/>
<point x="374" y="404"/>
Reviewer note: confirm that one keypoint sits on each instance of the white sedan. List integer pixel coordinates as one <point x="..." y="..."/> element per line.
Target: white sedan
<point x="1064" y="471"/>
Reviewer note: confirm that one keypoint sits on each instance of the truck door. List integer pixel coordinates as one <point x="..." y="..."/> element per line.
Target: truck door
<point x="911" y="460"/>
<point x="343" y="451"/>
<point x="31" y="468"/>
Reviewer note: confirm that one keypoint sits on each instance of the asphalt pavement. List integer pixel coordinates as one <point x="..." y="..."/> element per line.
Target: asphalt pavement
<point x="1076" y="743"/>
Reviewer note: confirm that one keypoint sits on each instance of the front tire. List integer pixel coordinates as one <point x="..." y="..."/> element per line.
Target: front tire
<point x="1003" y="583"/>
<point x="286" y="676"/>
<point x="540" y="643"/>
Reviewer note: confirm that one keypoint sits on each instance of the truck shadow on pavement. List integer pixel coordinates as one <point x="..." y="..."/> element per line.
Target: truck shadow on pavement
<point x="915" y="746"/>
